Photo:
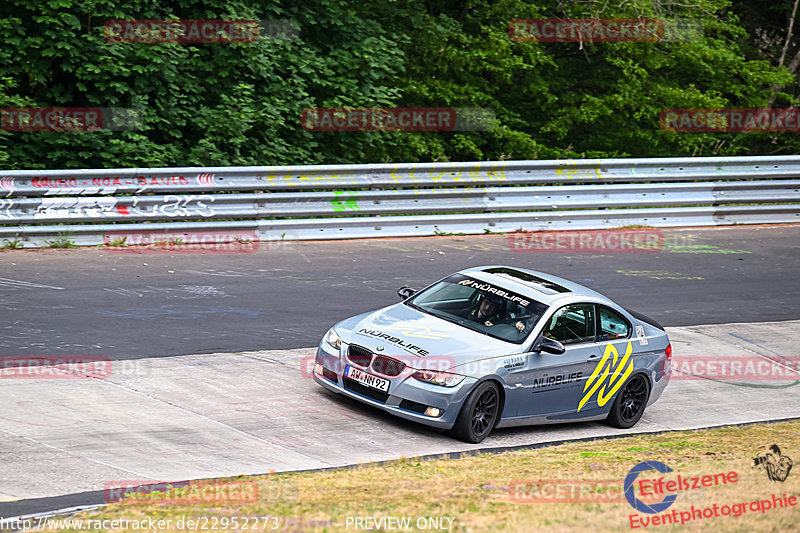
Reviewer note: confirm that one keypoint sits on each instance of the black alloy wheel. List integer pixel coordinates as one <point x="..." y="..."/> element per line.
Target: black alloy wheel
<point x="478" y="414"/>
<point x="630" y="403"/>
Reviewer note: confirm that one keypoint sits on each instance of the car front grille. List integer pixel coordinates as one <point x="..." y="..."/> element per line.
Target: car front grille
<point x="388" y="366"/>
<point x="359" y="355"/>
<point x="369" y="392"/>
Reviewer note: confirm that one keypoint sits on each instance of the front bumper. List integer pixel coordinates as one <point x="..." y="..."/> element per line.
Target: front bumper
<point x="406" y="395"/>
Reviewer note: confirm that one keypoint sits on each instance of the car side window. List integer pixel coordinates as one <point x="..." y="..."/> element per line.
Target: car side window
<point x="572" y="324"/>
<point x="611" y="325"/>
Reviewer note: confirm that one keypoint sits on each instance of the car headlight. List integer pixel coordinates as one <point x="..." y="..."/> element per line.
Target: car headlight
<point x="332" y="338"/>
<point x="445" y="379"/>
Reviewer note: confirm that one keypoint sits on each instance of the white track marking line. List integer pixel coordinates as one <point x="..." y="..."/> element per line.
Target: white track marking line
<point x="204" y="417"/>
<point x="27" y="284"/>
<point x="773" y="361"/>
<point x="77" y="455"/>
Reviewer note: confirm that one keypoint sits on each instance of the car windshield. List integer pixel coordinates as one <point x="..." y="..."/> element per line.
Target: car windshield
<point x="481" y="306"/>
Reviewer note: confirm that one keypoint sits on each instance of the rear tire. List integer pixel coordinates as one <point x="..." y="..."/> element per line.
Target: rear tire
<point x="629" y="406"/>
<point x="479" y="413"/>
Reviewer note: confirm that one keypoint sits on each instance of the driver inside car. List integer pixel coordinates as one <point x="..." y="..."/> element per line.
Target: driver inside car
<point x="491" y="309"/>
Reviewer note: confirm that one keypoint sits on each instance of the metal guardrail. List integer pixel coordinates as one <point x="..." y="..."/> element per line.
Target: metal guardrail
<point x="398" y="200"/>
<point x="409" y="175"/>
<point x="395" y="202"/>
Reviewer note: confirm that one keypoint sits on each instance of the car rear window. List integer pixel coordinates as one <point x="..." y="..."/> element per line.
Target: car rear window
<point x="611" y="325"/>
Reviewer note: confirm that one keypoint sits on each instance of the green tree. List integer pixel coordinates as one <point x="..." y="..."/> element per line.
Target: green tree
<point x="240" y="103"/>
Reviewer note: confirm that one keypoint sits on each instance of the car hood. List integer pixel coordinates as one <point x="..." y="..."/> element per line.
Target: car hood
<point x="410" y="335"/>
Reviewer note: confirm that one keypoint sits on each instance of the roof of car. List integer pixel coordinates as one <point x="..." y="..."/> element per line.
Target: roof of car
<point x="543" y="287"/>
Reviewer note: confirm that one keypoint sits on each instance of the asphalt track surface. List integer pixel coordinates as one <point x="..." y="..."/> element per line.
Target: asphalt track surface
<point x="177" y="418"/>
<point x="127" y="304"/>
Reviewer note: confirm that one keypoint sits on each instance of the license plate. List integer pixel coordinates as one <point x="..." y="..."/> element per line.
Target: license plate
<point x="367" y="379"/>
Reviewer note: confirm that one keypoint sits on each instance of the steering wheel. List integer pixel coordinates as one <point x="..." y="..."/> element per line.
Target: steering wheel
<point x="515" y="320"/>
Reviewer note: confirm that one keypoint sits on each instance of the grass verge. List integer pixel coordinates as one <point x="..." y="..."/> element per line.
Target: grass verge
<point x="472" y="493"/>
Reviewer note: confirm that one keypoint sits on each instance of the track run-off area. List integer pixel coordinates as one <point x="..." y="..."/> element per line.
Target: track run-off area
<point x="209" y="353"/>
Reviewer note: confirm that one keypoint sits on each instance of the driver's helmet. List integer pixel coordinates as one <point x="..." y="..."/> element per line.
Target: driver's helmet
<point x="498" y="300"/>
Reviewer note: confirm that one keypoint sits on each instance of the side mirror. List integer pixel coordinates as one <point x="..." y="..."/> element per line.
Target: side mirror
<point x="406" y="292"/>
<point x="546" y="344"/>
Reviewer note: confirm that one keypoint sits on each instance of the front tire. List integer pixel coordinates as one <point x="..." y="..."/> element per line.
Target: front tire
<point x="629" y="406"/>
<point x="479" y="413"/>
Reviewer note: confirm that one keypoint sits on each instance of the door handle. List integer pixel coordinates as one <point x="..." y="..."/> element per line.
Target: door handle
<point x="593" y="358"/>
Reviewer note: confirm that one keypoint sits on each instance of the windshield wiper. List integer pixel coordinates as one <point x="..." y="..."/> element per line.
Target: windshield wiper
<point x="415" y="306"/>
<point x="461" y="322"/>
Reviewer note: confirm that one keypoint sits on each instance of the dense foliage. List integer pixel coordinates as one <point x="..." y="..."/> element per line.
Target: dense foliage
<point x="215" y="104"/>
